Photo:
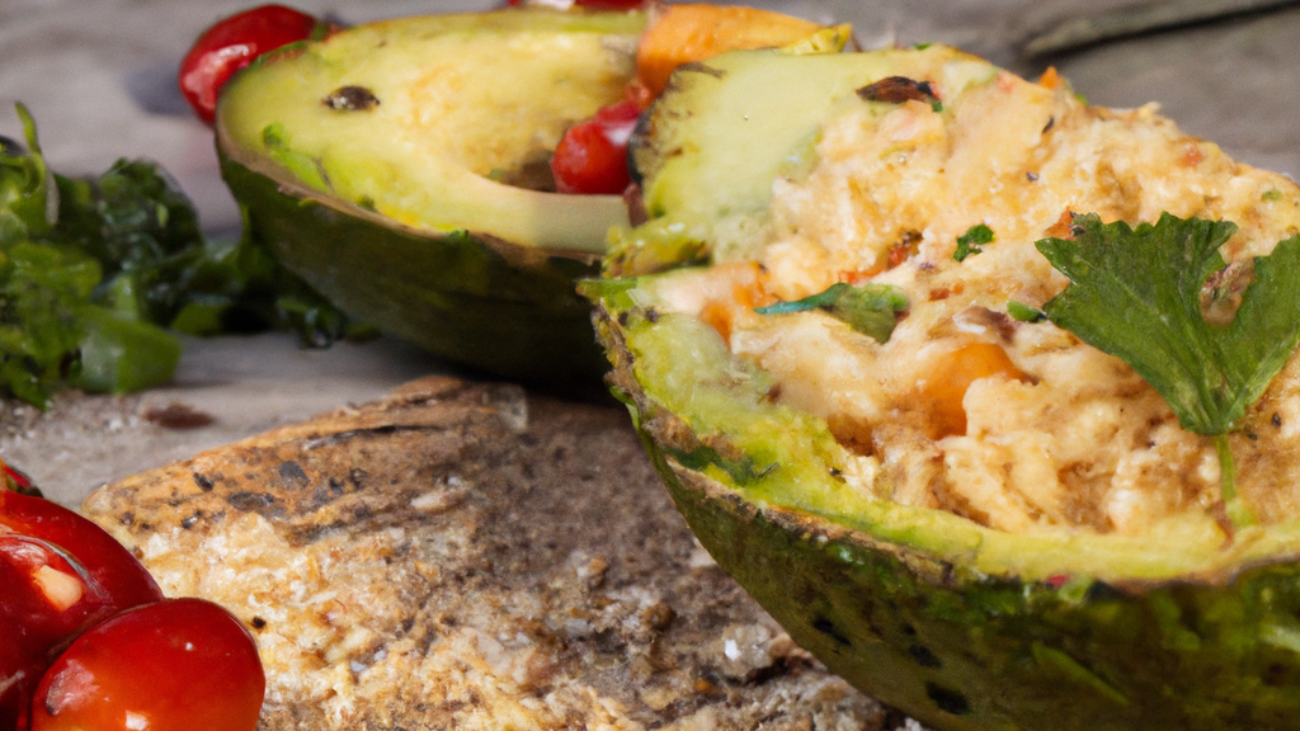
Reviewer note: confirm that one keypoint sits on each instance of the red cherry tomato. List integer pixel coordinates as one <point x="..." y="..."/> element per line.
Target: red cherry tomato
<point x="592" y="156"/>
<point x="177" y="665"/>
<point x="231" y="45"/>
<point x="105" y="560"/>
<point x="60" y="574"/>
<point x="17" y="479"/>
<point x="47" y="598"/>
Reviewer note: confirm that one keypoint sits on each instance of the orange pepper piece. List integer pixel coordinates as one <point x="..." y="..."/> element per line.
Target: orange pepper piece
<point x="1051" y="79"/>
<point x="694" y="32"/>
<point x="948" y="380"/>
<point x="748" y="290"/>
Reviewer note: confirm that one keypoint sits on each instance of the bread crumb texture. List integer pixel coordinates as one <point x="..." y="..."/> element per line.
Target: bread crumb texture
<point x="466" y="556"/>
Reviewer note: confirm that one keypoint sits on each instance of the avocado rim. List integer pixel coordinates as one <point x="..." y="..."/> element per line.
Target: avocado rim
<point x="929" y="632"/>
<point x="505" y="309"/>
<point x="459" y="291"/>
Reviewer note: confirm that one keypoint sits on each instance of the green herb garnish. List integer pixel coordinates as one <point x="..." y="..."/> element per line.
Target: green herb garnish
<point x="97" y="274"/>
<point x="970" y="243"/>
<point x="1024" y="313"/>
<point x="1143" y="295"/>
<point x="871" y="309"/>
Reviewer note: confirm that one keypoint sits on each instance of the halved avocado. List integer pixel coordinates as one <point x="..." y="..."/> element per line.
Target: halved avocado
<point x="932" y="608"/>
<point x="399" y="167"/>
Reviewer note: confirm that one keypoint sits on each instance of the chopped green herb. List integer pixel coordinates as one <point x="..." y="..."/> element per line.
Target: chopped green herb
<point x="970" y="243"/>
<point x="937" y="106"/>
<point x="871" y="309"/>
<point x="96" y="273"/>
<point x="1142" y="295"/>
<point x="1272" y="195"/>
<point x="1024" y="313"/>
<point x="921" y="46"/>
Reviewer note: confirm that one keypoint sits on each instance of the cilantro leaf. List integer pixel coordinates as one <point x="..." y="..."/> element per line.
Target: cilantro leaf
<point x="1147" y="296"/>
<point x="871" y="309"/>
<point x="1138" y="294"/>
<point x="971" y="242"/>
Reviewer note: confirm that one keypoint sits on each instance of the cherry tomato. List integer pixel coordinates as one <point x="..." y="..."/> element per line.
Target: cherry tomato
<point x="592" y="156"/>
<point x="231" y="45"/>
<point x="60" y="574"/>
<point x="47" y="599"/>
<point x="15" y="479"/>
<point x="104" y="559"/>
<point x="177" y="665"/>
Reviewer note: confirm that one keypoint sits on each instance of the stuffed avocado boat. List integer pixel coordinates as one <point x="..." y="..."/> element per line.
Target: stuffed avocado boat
<point x="387" y="165"/>
<point x="402" y="168"/>
<point x="986" y="394"/>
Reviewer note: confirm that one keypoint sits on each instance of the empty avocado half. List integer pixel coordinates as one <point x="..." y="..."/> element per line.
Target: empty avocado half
<point x="400" y="168"/>
<point x="831" y="333"/>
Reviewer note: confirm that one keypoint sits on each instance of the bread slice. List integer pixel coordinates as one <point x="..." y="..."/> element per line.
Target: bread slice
<point x="469" y="556"/>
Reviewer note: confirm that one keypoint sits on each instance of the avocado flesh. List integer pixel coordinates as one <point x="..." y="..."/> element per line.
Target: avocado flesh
<point x="962" y="626"/>
<point x="458" y="99"/>
<point x="394" y="211"/>
<point x="719" y="190"/>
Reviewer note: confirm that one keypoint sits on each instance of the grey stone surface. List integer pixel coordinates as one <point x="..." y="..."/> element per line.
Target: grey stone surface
<point x="97" y="75"/>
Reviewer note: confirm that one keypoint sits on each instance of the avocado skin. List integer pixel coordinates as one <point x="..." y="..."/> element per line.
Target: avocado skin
<point x="962" y="652"/>
<point x="507" y="310"/>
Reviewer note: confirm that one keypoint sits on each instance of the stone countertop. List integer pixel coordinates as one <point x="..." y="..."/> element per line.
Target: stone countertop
<point x="97" y="75"/>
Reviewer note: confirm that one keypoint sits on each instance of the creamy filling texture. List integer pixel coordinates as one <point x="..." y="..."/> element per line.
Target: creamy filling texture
<point x="1018" y="426"/>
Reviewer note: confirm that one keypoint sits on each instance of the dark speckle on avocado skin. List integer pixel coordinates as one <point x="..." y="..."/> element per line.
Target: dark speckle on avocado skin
<point x="1100" y="591"/>
<point x="828" y="628"/>
<point x="949" y="701"/>
<point x="924" y="656"/>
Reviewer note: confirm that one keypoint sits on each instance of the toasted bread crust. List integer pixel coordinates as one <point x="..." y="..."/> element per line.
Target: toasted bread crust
<point x="465" y="555"/>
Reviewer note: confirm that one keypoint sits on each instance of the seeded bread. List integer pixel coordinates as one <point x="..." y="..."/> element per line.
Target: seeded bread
<point x="470" y="556"/>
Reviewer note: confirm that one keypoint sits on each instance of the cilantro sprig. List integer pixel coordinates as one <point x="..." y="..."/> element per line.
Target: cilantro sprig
<point x="1142" y="294"/>
<point x="871" y="309"/>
